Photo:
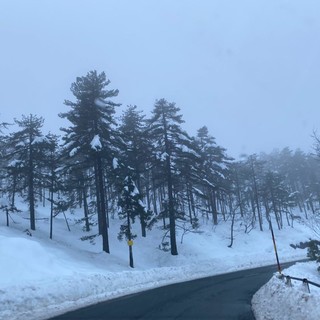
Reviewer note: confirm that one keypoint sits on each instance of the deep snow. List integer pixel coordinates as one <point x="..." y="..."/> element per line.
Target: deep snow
<point x="41" y="278"/>
<point x="278" y="301"/>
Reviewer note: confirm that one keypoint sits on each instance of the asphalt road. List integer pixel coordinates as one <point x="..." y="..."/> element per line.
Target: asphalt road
<point x="222" y="297"/>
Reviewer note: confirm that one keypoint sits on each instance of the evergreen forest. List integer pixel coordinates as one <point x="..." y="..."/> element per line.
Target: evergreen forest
<point x="146" y="171"/>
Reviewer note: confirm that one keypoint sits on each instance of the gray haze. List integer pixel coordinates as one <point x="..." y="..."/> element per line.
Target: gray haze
<point x="247" y="69"/>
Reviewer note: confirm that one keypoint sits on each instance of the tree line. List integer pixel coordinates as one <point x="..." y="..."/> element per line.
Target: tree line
<point x="148" y="170"/>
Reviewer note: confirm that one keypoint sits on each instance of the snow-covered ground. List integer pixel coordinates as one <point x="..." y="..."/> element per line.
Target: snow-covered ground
<point x="41" y="278"/>
<point x="278" y="301"/>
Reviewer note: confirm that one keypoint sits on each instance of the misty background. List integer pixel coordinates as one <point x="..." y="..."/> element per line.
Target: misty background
<point x="249" y="70"/>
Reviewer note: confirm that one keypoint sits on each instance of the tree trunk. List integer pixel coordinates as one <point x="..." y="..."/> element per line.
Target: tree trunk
<point x="129" y="236"/>
<point x="98" y="199"/>
<point x="51" y="213"/>
<point x="214" y="207"/>
<point x="7" y="215"/>
<point x="231" y="228"/>
<point x="147" y="187"/>
<point x="102" y="205"/>
<point x="258" y="205"/>
<point x="106" y="198"/>
<point x="52" y="178"/>
<point x="256" y="196"/>
<point x="85" y="209"/>
<point x="14" y="190"/>
<point x="31" y="189"/>
<point x="239" y="194"/>
<point x="172" y="218"/>
<point x="189" y="203"/>
<point x="154" y="200"/>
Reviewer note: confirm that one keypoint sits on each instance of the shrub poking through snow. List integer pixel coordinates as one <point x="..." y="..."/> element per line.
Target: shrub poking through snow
<point x="314" y="251"/>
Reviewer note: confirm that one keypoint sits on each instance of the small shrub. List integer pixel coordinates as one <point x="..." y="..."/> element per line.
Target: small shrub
<point x="313" y="250"/>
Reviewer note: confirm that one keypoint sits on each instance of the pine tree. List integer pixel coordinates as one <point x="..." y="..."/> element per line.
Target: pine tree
<point x="167" y="136"/>
<point x="3" y="162"/>
<point x="214" y="168"/>
<point x="131" y="207"/>
<point x="136" y="154"/>
<point x="186" y="176"/>
<point x="255" y="168"/>
<point x="51" y="162"/>
<point x="25" y="154"/>
<point x="91" y="138"/>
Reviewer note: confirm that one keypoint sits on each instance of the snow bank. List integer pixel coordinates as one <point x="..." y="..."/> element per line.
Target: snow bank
<point x="41" y="278"/>
<point x="278" y="301"/>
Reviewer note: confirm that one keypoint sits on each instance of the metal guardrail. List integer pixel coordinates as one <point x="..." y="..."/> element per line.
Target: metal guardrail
<point x="305" y="281"/>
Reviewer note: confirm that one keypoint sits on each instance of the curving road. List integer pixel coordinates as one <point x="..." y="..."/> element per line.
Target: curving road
<point x="221" y="297"/>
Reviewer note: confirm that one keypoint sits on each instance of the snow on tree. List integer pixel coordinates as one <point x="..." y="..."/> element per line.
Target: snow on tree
<point x="91" y="138"/>
<point x="25" y="150"/>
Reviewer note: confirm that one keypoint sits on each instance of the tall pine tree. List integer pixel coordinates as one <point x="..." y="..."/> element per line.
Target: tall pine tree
<point x="168" y="139"/>
<point x="136" y="154"/>
<point x="91" y="136"/>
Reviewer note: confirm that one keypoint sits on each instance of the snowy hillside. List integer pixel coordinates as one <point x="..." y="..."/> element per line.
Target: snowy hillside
<point x="42" y="277"/>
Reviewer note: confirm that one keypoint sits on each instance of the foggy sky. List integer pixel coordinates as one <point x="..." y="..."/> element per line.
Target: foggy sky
<point x="247" y="69"/>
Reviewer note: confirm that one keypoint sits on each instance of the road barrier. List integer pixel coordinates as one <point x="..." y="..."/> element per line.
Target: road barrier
<point x="305" y="281"/>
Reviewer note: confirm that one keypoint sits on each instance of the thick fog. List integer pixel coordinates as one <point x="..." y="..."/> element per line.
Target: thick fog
<point x="249" y="70"/>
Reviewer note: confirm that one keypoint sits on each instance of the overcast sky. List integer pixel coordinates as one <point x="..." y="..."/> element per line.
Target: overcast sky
<point x="247" y="69"/>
